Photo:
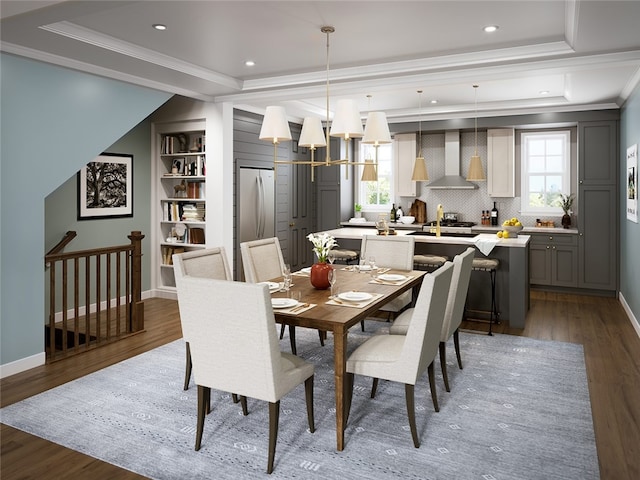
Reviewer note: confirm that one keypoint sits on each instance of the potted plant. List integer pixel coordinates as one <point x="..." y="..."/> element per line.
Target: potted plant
<point x="566" y="202"/>
<point x="322" y="243"/>
<point x="358" y="210"/>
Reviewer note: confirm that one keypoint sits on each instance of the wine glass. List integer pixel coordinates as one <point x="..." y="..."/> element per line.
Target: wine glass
<point x="333" y="278"/>
<point x="331" y="256"/>
<point x="286" y="273"/>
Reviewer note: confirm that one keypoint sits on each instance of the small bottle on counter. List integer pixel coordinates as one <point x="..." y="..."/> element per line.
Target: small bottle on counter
<point x="392" y="216"/>
<point x="399" y="212"/>
<point x="483" y="218"/>
<point x="494" y="215"/>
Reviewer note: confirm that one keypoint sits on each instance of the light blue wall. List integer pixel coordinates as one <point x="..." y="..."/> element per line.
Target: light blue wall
<point x="53" y="121"/>
<point x="629" y="231"/>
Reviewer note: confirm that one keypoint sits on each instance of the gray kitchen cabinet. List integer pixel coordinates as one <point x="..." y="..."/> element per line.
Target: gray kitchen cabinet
<point x="334" y="193"/>
<point x="553" y="260"/>
<point x="598" y="205"/>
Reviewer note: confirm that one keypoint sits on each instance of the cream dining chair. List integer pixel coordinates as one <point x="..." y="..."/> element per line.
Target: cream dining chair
<point x="262" y="260"/>
<point x="207" y="263"/>
<point x="404" y="358"/>
<point x="453" y="315"/>
<point x="390" y="252"/>
<point x="235" y="349"/>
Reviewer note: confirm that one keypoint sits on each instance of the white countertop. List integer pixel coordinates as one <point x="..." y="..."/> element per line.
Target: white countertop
<point x="358" y="232"/>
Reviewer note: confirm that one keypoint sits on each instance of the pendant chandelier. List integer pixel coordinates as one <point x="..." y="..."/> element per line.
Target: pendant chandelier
<point x="420" y="173"/>
<point x="476" y="173"/>
<point x="347" y="124"/>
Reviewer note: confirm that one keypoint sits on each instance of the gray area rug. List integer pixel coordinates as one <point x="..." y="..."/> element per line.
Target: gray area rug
<point x="518" y="410"/>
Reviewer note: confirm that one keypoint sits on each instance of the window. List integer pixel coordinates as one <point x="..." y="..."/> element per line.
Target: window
<point x="545" y="170"/>
<point x="376" y="196"/>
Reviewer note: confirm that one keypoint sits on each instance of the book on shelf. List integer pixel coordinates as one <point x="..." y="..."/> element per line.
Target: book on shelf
<point x="196" y="235"/>
<point x="168" y="252"/>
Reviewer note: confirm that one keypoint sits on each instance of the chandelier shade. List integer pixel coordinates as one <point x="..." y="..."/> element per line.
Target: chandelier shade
<point x="346" y="121"/>
<point x="312" y="134"/>
<point x="275" y="127"/>
<point x="376" y="131"/>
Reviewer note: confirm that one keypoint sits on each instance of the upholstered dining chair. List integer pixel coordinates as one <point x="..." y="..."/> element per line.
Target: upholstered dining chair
<point x="453" y="314"/>
<point x="262" y="260"/>
<point x="390" y="252"/>
<point x="206" y="263"/>
<point x="404" y="358"/>
<point x="235" y="349"/>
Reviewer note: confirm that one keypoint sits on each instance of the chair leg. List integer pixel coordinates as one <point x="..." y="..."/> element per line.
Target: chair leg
<point x="411" y="411"/>
<point x="308" y="392"/>
<point x="189" y="365"/>
<point x="456" y="343"/>
<point x="362" y="325"/>
<point x="321" y="334"/>
<point x="204" y="394"/>
<point x="234" y="397"/>
<point x="243" y="404"/>
<point x="282" y="327"/>
<point x="292" y="339"/>
<point x="274" y="416"/>
<point x="349" y="394"/>
<point x="374" y="388"/>
<point x="432" y="386"/>
<point x="443" y="365"/>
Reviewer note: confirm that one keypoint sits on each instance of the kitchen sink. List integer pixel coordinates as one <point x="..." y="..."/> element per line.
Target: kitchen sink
<point x="443" y="234"/>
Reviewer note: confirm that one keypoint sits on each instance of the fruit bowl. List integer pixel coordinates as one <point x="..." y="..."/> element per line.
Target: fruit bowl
<point x="407" y="219"/>
<point x="513" y="231"/>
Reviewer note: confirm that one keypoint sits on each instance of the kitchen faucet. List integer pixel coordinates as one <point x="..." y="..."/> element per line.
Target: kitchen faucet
<point x="439" y="216"/>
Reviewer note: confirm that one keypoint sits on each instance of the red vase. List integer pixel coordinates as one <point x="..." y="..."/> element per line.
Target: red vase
<point x="320" y="275"/>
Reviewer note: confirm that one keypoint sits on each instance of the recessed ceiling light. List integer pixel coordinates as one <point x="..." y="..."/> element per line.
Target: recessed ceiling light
<point x="490" y="28"/>
<point x="434" y="101"/>
<point x="249" y="63"/>
<point x="159" y="26"/>
<point x="544" y="92"/>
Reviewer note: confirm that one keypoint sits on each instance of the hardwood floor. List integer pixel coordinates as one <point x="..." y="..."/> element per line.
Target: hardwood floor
<point x="612" y="357"/>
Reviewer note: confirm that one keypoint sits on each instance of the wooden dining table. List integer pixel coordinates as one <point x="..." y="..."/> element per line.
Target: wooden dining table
<point x="338" y="319"/>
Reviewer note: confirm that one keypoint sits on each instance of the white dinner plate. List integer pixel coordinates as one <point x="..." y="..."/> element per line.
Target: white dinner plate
<point x="273" y="286"/>
<point x="306" y="270"/>
<point x="391" y="277"/>
<point x="365" y="268"/>
<point x="283" y="302"/>
<point x="355" y="296"/>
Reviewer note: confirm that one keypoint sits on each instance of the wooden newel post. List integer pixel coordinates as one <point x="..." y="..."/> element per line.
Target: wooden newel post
<point x="137" y="306"/>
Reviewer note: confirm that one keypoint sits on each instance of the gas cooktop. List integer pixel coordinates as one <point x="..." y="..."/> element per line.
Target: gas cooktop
<point x="452" y="223"/>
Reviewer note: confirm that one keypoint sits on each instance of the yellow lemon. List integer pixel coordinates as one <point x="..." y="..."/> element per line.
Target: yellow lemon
<point x="518" y="224"/>
<point x="505" y="223"/>
<point x="505" y="234"/>
<point x="514" y="220"/>
<point x="499" y="234"/>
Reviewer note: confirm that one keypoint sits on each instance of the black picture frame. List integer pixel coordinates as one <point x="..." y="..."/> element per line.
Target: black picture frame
<point x="105" y="187"/>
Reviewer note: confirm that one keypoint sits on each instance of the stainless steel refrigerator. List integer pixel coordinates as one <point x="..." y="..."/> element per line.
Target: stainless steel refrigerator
<point x="256" y="207"/>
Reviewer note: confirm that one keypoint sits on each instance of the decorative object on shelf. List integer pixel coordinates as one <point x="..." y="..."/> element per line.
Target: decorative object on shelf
<point x="476" y="173"/>
<point x="346" y="124"/>
<point x="180" y="189"/>
<point x="566" y="202"/>
<point x="322" y="244"/>
<point x="420" y="173"/>
<point x="105" y="187"/>
<point x="358" y="210"/>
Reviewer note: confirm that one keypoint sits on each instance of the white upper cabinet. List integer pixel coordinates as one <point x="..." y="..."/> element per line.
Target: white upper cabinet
<point x="501" y="162"/>
<point x="404" y="154"/>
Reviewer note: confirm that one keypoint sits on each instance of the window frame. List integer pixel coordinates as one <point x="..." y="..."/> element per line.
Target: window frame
<point x="366" y="152"/>
<point x="525" y="174"/>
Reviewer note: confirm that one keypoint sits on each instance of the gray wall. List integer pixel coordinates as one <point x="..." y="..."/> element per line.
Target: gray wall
<point x="629" y="231"/>
<point x="53" y="121"/>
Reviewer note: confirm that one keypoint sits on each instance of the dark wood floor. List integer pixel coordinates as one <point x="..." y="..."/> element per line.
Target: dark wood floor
<point x="612" y="356"/>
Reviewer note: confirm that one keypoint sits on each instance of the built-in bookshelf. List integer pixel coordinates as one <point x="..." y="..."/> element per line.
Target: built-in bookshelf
<point x="180" y="168"/>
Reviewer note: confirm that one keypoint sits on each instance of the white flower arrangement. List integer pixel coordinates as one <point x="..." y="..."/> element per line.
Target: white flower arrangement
<point x="322" y="243"/>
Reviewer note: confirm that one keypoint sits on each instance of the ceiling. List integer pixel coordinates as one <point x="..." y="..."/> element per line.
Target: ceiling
<point x="584" y="53"/>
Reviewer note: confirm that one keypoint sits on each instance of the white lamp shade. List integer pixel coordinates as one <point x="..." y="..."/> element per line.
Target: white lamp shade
<point x="376" y="131"/>
<point x="312" y="134"/>
<point x="275" y="127"/>
<point x="346" y="122"/>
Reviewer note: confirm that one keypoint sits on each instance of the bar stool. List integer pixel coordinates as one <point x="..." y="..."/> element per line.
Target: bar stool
<point x="429" y="262"/>
<point x="490" y="265"/>
<point x="345" y="256"/>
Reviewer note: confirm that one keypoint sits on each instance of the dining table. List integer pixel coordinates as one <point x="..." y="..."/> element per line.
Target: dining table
<point x="318" y="311"/>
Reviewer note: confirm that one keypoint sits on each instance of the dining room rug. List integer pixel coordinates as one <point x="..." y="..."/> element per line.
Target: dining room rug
<point x="518" y="410"/>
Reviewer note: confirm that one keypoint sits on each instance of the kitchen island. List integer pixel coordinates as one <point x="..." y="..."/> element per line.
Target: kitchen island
<point x="512" y="279"/>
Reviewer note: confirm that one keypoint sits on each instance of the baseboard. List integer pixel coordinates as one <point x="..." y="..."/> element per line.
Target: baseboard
<point x="21" y="365"/>
<point x="632" y="318"/>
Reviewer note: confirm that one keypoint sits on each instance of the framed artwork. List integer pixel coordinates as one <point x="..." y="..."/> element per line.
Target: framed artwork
<point x="105" y="187"/>
<point x="632" y="183"/>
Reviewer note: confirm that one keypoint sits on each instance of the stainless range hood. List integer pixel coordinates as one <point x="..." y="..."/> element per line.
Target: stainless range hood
<point x="452" y="179"/>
